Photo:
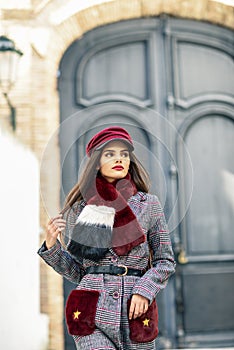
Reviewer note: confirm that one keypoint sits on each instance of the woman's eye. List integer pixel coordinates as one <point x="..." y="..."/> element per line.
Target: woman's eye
<point x="125" y="155"/>
<point x="109" y="154"/>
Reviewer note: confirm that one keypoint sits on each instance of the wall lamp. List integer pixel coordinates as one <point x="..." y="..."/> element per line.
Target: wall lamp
<point x="9" y="59"/>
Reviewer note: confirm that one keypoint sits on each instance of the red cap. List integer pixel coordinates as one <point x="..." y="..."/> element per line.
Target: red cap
<point x="106" y="135"/>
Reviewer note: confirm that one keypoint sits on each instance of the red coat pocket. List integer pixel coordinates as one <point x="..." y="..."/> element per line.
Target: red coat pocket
<point x="144" y="329"/>
<point x="80" y="311"/>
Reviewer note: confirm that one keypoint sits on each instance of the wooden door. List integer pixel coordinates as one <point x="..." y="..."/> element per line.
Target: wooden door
<point x="169" y="83"/>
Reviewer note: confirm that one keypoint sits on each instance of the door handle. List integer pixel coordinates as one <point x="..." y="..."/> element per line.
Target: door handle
<point x="182" y="258"/>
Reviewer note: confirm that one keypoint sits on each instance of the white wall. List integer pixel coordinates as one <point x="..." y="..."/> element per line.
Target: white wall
<point x="22" y="327"/>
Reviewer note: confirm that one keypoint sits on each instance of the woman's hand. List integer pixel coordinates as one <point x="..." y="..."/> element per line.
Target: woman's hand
<point x="54" y="228"/>
<point x="139" y="305"/>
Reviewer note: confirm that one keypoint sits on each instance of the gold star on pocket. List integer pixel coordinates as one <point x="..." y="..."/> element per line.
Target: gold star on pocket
<point x="76" y="314"/>
<point x="146" y="322"/>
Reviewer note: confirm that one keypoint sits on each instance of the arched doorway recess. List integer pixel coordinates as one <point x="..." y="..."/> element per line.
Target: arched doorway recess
<point x="131" y="73"/>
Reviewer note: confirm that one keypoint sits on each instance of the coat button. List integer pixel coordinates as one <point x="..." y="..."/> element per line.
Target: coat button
<point x="114" y="259"/>
<point x="115" y="295"/>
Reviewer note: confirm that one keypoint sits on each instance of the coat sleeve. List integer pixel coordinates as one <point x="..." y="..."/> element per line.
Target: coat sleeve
<point x="61" y="261"/>
<point x="163" y="263"/>
<point x="58" y="258"/>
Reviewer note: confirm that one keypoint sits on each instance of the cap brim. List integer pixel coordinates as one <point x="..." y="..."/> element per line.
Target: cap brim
<point x="130" y="146"/>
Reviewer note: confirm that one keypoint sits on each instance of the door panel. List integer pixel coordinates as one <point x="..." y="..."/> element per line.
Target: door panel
<point x="209" y="301"/>
<point x="119" y="63"/>
<point x="198" y="62"/>
<point x="107" y="70"/>
<point x="210" y="217"/>
<point x="203" y="67"/>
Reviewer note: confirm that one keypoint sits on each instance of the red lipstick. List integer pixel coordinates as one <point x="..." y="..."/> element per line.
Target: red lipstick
<point x="118" y="167"/>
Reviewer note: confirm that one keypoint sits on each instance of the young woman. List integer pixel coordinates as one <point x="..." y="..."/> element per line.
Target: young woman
<point x="110" y="225"/>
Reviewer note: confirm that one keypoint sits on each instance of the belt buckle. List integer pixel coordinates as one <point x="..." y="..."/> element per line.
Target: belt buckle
<point x="125" y="272"/>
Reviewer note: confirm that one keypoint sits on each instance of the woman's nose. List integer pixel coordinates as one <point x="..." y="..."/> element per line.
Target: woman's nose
<point x="118" y="158"/>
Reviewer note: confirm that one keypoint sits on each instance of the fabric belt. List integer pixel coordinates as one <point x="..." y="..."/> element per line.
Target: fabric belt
<point x="120" y="270"/>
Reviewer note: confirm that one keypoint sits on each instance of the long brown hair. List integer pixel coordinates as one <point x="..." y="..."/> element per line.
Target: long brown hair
<point x="138" y="173"/>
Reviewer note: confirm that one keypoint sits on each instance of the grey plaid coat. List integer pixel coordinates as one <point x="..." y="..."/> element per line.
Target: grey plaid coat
<point x="112" y="330"/>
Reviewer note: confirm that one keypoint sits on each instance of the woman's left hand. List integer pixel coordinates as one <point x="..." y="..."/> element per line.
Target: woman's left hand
<point x="139" y="305"/>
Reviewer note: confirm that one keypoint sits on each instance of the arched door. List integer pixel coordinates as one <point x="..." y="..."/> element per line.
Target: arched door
<point x="168" y="82"/>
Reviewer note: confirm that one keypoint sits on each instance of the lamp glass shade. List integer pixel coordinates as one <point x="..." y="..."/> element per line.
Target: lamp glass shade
<point x="8" y="69"/>
<point x="9" y="59"/>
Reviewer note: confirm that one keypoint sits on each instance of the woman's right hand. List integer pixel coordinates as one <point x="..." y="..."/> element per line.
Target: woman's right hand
<point x="53" y="229"/>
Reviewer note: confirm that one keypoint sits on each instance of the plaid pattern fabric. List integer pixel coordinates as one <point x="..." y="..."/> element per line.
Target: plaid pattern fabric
<point x="111" y="315"/>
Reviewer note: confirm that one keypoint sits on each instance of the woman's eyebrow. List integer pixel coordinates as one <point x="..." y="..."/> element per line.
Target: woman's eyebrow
<point x="114" y="150"/>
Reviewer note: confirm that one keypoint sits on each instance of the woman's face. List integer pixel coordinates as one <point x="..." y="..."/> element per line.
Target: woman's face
<point x="114" y="161"/>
